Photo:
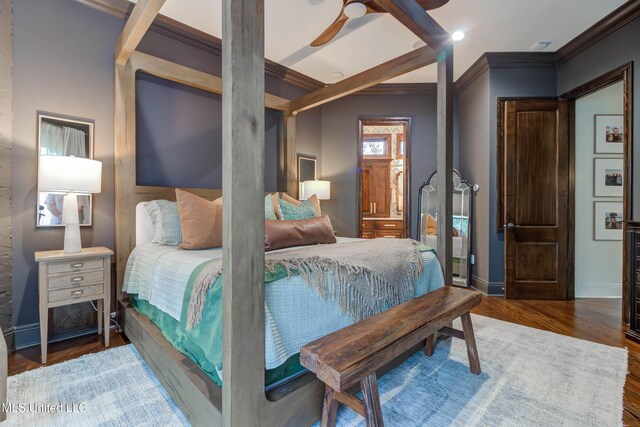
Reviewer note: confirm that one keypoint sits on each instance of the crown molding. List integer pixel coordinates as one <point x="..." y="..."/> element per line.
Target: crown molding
<point x="505" y="60"/>
<point x="199" y="39"/>
<point x="598" y="31"/>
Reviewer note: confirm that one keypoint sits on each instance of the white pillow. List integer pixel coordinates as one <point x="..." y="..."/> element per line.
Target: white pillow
<point x="166" y="222"/>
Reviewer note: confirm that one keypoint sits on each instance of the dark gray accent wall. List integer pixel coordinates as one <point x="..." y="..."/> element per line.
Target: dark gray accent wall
<point x="474" y="121"/>
<point x="612" y="51"/>
<point x="179" y="136"/>
<point x="340" y="149"/>
<point x="63" y="63"/>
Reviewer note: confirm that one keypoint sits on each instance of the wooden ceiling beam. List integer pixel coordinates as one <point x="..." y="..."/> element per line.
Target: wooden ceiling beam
<point x="396" y="67"/>
<point x="416" y="19"/>
<point x="143" y="14"/>
<point x="188" y="76"/>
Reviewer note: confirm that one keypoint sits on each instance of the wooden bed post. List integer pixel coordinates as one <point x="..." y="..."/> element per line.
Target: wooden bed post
<point x="291" y="167"/>
<point x="444" y="179"/>
<point x="243" y="211"/>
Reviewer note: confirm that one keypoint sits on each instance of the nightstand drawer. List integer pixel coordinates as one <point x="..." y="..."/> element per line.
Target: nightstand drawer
<point x="79" y="278"/>
<point x="78" y="265"/>
<point x="76" y="293"/>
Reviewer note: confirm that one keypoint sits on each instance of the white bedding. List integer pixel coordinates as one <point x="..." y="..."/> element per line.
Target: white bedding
<point x="295" y="314"/>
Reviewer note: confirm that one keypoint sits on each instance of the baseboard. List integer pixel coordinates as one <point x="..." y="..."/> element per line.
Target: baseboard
<point x="613" y="290"/>
<point x="29" y="335"/>
<point x="493" y="289"/>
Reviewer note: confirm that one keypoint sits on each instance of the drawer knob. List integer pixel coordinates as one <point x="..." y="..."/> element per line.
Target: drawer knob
<point x="77" y="265"/>
<point x="389" y="225"/>
<point x="77" y="279"/>
<point x="78" y="292"/>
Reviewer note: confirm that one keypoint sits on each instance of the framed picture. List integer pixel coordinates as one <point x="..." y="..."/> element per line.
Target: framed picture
<point x="609" y="133"/>
<point x="608" y="177"/>
<point x="607" y="220"/>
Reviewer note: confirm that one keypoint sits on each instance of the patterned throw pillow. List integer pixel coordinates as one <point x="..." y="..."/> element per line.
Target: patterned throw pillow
<point x="166" y="222"/>
<point x="304" y="210"/>
<point x="269" y="211"/>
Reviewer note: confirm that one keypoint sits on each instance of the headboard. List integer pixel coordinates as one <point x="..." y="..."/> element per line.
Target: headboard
<point x="127" y="193"/>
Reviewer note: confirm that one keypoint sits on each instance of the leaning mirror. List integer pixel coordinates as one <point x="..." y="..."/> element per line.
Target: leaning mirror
<point x="428" y="223"/>
<point x="60" y="136"/>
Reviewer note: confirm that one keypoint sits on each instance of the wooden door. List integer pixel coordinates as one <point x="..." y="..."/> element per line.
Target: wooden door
<point x="376" y="189"/>
<point x="381" y="175"/>
<point x="536" y="199"/>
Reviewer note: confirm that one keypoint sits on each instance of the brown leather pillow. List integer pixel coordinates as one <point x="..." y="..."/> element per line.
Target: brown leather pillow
<point x="281" y="234"/>
<point x="200" y="221"/>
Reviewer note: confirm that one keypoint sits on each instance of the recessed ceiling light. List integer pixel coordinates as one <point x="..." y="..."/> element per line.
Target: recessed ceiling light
<point x="355" y="10"/>
<point x="457" y="36"/>
<point x="337" y="76"/>
<point x="540" y="45"/>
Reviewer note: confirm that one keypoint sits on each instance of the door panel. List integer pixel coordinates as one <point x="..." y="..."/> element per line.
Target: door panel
<point x="366" y="191"/>
<point x="535" y="188"/>
<point x="382" y="183"/>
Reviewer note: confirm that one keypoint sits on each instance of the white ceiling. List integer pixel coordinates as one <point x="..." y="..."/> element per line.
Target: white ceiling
<point x="490" y="26"/>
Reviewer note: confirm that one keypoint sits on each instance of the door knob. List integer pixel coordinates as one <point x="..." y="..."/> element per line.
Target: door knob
<point x="510" y="226"/>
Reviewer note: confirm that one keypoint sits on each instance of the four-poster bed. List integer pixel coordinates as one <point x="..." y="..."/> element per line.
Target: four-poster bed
<point x="242" y="400"/>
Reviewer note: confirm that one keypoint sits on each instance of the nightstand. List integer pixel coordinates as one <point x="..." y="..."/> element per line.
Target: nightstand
<point x="66" y="279"/>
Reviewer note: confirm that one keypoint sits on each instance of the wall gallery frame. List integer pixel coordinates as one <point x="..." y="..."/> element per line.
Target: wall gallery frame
<point x="609" y="133"/>
<point x="608" y="219"/>
<point x="608" y="177"/>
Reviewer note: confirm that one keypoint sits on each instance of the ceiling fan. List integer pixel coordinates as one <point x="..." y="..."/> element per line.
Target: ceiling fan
<point x="354" y="9"/>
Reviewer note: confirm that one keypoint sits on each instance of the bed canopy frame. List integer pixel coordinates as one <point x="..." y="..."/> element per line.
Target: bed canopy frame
<point x="242" y="401"/>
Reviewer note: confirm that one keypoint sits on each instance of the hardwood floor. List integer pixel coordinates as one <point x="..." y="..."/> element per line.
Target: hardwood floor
<point x="597" y="320"/>
<point x="29" y="358"/>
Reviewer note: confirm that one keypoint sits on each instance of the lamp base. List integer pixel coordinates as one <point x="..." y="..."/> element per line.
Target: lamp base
<point x="72" y="242"/>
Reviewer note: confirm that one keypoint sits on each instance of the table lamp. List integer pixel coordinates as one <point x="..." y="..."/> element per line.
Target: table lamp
<point x="322" y="189"/>
<point x="70" y="176"/>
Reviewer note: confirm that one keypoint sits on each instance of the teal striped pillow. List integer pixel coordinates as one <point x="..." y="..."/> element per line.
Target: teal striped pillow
<point x="269" y="212"/>
<point x="166" y="222"/>
<point x="305" y="210"/>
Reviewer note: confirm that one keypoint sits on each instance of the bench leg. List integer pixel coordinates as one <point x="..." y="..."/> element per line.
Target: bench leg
<point x="329" y="408"/>
<point x="430" y="346"/>
<point x="470" y="339"/>
<point x="371" y="399"/>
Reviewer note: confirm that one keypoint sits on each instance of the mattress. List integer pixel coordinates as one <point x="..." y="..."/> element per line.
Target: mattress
<point x="158" y="278"/>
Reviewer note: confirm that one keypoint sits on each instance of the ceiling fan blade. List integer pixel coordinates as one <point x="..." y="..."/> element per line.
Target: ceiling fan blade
<point x="432" y="4"/>
<point x="331" y="32"/>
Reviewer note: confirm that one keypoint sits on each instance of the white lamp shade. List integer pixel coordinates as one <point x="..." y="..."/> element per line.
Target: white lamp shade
<point x="322" y="189"/>
<point x="68" y="174"/>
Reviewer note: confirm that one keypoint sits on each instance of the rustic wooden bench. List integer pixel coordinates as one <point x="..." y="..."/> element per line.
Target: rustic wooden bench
<point x="353" y="354"/>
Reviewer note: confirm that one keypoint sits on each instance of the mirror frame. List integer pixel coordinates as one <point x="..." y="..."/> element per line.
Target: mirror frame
<point x="472" y="190"/>
<point x="305" y="157"/>
<point x="69" y="119"/>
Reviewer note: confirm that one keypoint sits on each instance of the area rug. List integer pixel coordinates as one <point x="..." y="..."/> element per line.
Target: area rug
<point x="114" y="387"/>
<point x="529" y="378"/>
